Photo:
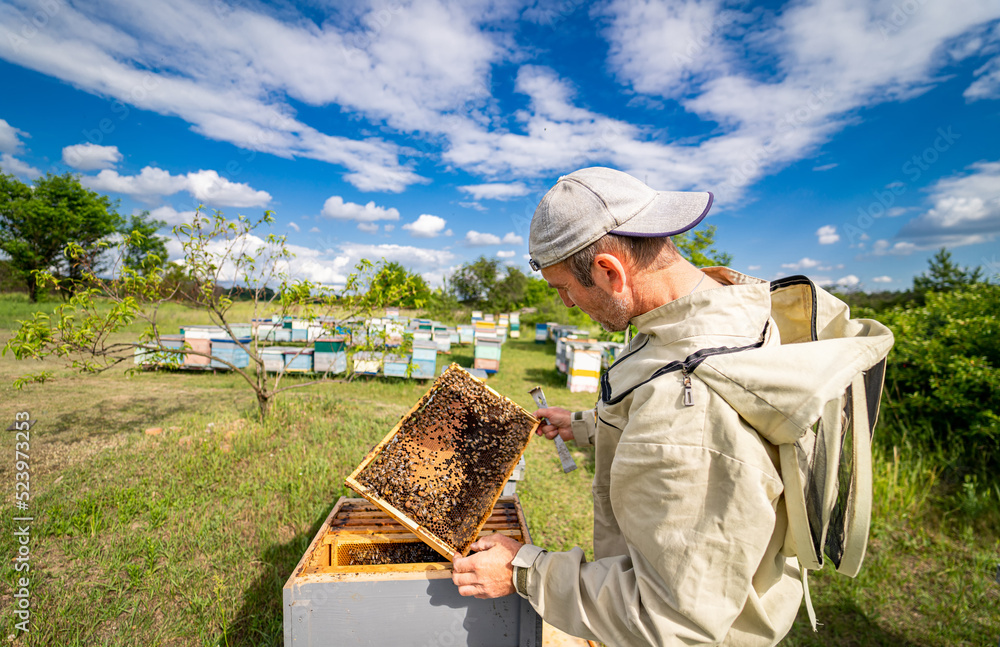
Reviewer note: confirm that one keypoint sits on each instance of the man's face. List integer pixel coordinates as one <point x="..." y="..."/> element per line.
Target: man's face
<point x="607" y="309"/>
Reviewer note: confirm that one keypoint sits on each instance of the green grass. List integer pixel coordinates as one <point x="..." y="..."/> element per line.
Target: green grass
<point x="186" y="537"/>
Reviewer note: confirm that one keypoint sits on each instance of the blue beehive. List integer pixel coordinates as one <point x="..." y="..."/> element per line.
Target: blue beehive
<point x="424" y="359"/>
<point x="228" y="350"/>
<point x="298" y="360"/>
<point x="395" y="365"/>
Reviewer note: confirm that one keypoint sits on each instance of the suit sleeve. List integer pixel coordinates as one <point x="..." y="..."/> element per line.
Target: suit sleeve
<point x="584" y="426"/>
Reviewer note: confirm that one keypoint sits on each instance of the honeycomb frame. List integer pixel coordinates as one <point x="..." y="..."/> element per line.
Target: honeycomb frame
<point x="442" y="467"/>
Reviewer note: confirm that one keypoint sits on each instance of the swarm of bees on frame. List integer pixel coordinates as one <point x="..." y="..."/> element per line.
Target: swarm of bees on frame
<point x="377" y="553"/>
<point x="450" y="457"/>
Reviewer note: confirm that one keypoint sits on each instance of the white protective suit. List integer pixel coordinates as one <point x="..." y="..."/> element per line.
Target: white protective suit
<point x="689" y="521"/>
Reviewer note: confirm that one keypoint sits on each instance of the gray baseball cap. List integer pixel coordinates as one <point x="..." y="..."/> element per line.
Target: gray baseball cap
<point x="587" y="204"/>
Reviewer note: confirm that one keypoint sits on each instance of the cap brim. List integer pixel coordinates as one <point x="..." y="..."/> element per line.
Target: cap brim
<point x="670" y="213"/>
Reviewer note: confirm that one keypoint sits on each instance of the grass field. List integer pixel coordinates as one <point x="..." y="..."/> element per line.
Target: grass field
<point x="186" y="537"/>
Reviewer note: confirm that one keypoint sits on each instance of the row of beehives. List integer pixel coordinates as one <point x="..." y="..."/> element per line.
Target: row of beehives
<point x="212" y="347"/>
<point x="577" y="355"/>
<point x="327" y="356"/>
<point x="330" y="357"/>
<point x="506" y="320"/>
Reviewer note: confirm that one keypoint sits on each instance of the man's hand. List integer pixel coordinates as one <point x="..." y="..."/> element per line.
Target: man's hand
<point x="560" y="422"/>
<point x="487" y="573"/>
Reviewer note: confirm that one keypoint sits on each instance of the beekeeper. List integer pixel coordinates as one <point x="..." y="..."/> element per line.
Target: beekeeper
<point x="688" y="529"/>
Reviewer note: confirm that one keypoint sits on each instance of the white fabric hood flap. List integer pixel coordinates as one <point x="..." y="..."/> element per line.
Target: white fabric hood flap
<point x="781" y="390"/>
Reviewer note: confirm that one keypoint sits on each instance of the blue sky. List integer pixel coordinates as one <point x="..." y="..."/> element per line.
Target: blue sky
<point x="847" y="140"/>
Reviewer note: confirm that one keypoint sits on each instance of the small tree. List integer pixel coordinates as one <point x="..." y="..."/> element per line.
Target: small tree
<point x="216" y="251"/>
<point x="508" y="293"/>
<point x="697" y="247"/>
<point x="473" y="281"/>
<point x="145" y="250"/>
<point x="944" y="275"/>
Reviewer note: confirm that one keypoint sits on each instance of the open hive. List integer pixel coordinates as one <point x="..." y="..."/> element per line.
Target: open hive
<point x="359" y="537"/>
<point x="442" y="468"/>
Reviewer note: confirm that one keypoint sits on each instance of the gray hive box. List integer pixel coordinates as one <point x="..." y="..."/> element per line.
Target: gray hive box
<point x="332" y="599"/>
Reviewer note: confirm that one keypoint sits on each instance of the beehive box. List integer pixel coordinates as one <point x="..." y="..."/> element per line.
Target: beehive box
<point x="445" y="463"/>
<point x="198" y="345"/>
<point x="391" y="598"/>
<point x="583" y="367"/>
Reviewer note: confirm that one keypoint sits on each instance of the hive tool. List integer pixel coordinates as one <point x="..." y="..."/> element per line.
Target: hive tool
<point x="568" y="464"/>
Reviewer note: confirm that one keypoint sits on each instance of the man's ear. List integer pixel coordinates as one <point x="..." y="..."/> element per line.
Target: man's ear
<point x="609" y="274"/>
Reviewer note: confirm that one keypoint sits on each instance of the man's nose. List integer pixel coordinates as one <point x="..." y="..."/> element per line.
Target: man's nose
<point x="565" y="299"/>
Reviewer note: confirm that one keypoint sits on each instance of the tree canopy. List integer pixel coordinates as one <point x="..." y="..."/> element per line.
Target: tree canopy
<point x="38" y="222"/>
<point x="944" y="275"/>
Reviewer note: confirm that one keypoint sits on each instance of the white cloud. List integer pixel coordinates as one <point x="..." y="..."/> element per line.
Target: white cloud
<point x="827" y="235"/>
<point x="472" y="205"/>
<point x="368" y="227"/>
<point x="965" y="210"/>
<point x="307" y="263"/>
<point x="10" y="145"/>
<point x="478" y="239"/>
<point x="687" y="37"/>
<point x="315" y="230"/>
<point x="10" y="138"/>
<point x="294" y="226"/>
<point x="987" y="83"/>
<point x="389" y="228"/>
<point x="753" y="268"/>
<point x="426" y="226"/>
<point x="210" y="188"/>
<point x="151" y="183"/>
<point x="475" y="238"/>
<point x="825" y="167"/>
<point x="496" y="191"/>
<point x="803" y="264"/>
<point x="848" y="281"/>
<point x="416" y="259"/>
<point x="91" y="157"/>
<point x="406" y="65"/>
<point x="337" y="209"/>
<point x="171" y="216"/>
<point x="902" y="248"/>
<point x="895" y="212"/>
<point x="506" y="254"/>
<point x="12" y="165"/>
<point x="882" y="279"/>
<point x="236" y="72"/>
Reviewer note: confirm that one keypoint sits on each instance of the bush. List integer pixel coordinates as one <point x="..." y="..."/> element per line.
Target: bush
<point x="943" y="376"/>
